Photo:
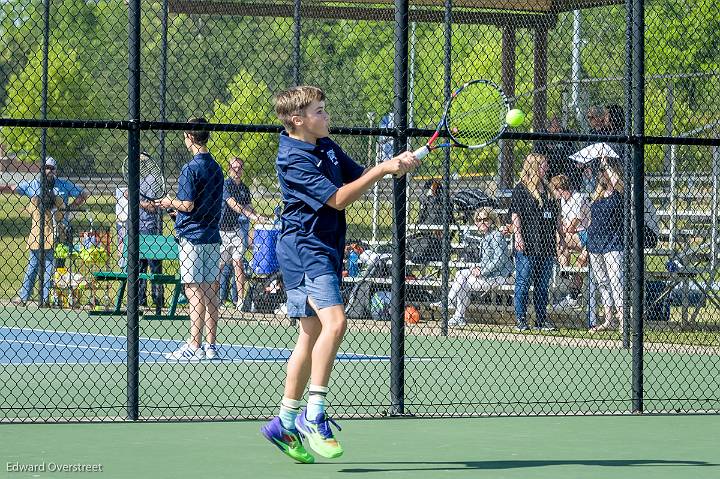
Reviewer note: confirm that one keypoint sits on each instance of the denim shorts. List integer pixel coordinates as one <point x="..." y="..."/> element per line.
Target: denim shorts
<point x="324" y="291"/>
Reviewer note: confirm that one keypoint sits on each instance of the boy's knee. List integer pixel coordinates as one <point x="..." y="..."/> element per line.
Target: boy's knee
<point x="336" y="325"/>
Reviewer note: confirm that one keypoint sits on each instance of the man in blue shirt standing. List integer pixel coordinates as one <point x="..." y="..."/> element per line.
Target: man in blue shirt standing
<point x="58" y="189"/>
<point x="197" y="225"/>
<point x="61" y="187"/>
<point x="318" y="181"/>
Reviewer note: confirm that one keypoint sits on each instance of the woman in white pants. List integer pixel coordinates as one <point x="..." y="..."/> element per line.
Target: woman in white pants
<point x="490" y="251"/>
<point x="605" y="242"/>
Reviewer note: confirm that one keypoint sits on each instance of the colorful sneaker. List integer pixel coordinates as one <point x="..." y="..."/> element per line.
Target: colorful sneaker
<point x="319" y="434"/>
<point x="211" y="352"/>
<point x="287" y="440"/>
<point x="186" y="353"/>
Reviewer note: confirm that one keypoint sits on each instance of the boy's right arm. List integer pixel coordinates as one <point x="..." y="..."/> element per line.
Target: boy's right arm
<point x="352" y="191"/>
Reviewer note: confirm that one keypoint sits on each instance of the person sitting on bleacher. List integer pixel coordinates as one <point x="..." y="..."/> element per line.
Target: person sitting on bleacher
<point x="489" y="250"/>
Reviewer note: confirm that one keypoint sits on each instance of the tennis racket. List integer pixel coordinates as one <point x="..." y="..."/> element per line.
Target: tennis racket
<point x="152" y="180"/>
<point x="474" y="117"/>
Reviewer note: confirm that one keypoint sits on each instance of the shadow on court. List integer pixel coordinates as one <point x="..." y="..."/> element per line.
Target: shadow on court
<point x="396" y="466"/>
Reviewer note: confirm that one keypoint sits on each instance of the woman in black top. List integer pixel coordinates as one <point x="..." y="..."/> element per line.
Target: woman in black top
<point x="535" y="217"/>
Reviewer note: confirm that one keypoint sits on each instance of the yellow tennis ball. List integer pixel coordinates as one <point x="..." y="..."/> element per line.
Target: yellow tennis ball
<point x="515" y="117"/>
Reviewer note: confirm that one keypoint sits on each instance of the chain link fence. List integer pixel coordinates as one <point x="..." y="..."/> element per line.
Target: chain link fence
<point x="569" y="268"/>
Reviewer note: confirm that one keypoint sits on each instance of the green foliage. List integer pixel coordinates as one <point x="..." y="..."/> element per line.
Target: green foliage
<point x="226" y="68"/>
<point x="68" y="88"/>
<point x="249" y="103"/>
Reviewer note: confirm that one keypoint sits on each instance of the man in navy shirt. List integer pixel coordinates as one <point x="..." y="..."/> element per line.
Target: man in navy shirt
<point x="198" y="206"/>
<point x="237" y="212"/>
<point x="318" y="181"/>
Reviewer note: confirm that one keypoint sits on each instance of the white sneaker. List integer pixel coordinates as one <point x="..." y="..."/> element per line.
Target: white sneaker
<point x="211" y="352"/>
<point x="186" y="353"/>
<point x="568" y="302"/>
<point x="457" y="322"/>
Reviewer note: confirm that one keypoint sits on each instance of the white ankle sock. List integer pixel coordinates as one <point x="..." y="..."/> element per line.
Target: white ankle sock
<point x="316" y="401"/>
<point x="289" y="409"/>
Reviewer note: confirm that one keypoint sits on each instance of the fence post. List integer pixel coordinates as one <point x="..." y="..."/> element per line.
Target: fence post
<point x="133" y="239"/>
<point x="163" y="85"/>
<point x="638" y="189"/>
<point x="297" y="39"/>
<point x="397" y="327"/>
<point x="447" y="207"/>
<point x="714" y="209"/>
<point x="43" y="149"/>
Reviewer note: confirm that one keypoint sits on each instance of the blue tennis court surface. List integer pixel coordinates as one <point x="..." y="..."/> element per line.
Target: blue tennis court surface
<point x="40" y="346"/>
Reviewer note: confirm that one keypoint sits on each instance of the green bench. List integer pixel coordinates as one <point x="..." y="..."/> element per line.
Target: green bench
<point x="152" y="247"/>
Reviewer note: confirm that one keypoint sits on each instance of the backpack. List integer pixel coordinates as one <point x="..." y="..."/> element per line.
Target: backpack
<point x="467" y="201"/>
<point x="423" y="247"/>
<point x="265" y="296"/>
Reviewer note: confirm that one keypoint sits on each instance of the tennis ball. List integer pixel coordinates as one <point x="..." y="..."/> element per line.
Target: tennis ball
<point x="515" y="117"/>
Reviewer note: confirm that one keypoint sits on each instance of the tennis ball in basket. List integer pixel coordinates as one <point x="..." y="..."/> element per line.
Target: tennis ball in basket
<point x="515" y="117"/>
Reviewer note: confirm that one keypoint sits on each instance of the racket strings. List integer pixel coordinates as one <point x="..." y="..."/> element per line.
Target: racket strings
<point x="152" y="180"/>
<point x="477" y="114"/>
<point x="476" y="123"/>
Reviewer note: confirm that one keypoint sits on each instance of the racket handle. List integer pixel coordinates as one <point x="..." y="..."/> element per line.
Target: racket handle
<point x="421" y="152"/>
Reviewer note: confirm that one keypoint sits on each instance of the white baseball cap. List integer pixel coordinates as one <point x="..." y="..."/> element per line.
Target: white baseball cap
<point x="50" y="161"/>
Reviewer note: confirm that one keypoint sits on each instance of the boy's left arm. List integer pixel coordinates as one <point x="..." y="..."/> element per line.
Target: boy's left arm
<point x="357" y="180"/>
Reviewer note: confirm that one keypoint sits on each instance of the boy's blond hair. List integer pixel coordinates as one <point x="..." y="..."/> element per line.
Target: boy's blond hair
<point x="294" y="101"/>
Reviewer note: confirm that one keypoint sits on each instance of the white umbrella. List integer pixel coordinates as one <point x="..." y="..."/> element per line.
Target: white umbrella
<point x="596" y="150"/>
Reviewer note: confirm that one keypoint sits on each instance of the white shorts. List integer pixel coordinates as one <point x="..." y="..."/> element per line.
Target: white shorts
<point x="234" y="245"/>
<point x="199" y="263"/>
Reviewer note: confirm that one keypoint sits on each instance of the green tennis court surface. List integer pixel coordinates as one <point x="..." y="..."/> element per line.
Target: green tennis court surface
<point x="652" y="447"/>
<point x="71" y="368"/>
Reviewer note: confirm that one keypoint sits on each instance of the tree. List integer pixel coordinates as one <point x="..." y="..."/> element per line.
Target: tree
<point x="249" y="103"/>
<point x="68" y="97"/>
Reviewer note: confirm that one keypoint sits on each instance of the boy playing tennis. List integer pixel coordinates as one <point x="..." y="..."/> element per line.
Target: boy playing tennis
<point x="318" y="181"/>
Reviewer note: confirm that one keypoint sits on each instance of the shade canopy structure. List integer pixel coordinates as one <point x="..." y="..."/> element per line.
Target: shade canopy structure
<point x="539" y="16"/>
<point x="355" y="8"/>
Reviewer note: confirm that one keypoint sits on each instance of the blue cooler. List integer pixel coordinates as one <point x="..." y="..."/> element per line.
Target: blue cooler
<point x="264" y="259"/>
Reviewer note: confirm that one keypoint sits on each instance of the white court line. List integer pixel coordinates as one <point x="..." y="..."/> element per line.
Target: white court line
<point x="73" y="346"/>
<point x="176" y="341"/>
<point x="233" y="360"/>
